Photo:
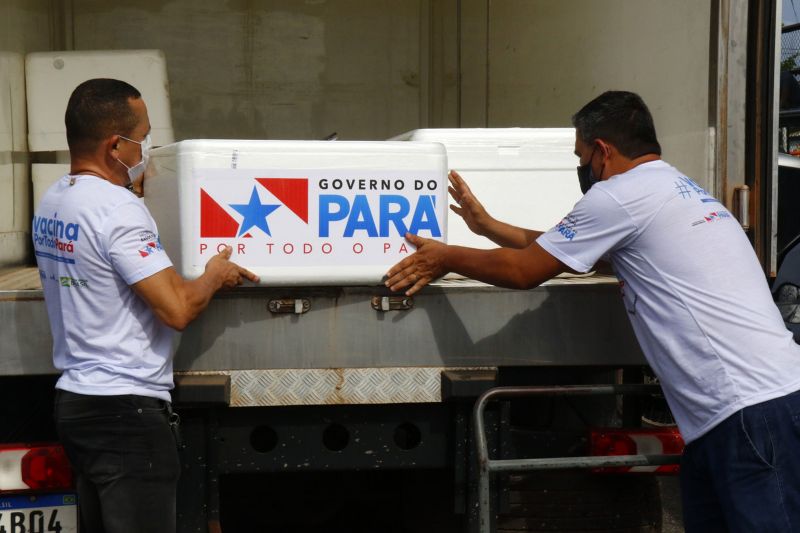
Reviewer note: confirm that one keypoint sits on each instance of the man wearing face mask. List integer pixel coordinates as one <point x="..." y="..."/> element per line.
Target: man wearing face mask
<point x="696" y="297"/>
<point x="114" y="301"/>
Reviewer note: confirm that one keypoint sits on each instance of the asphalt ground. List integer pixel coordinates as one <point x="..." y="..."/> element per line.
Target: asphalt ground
<point x="671" y="521"/>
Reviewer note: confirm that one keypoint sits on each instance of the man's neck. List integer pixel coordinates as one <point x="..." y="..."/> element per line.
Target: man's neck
<point x="83" y="167"/>
<point x="623" y="164"/>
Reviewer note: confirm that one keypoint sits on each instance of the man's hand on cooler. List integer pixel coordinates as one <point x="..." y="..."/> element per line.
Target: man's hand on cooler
<point x="468" y="208"/>
<point x="420" y="268"/>
<point x="230" y="274"/>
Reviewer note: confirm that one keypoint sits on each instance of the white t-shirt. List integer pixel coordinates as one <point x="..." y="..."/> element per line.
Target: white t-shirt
<point x="693" y="288"/>
<point x="92" y="240"/>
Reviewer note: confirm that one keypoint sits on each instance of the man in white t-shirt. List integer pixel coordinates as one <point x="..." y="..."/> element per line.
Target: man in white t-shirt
<point x="114" y="299"/>
<point x="695" y="294"/>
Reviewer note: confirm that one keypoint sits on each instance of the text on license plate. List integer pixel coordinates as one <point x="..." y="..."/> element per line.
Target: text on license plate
<point x="43" y="513"/>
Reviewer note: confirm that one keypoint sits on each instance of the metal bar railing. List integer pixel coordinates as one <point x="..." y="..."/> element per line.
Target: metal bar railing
<point x="486" y="465"/>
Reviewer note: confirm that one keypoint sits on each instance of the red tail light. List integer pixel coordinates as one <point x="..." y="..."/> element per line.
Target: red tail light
<point x="606" y="442"/>
<point x="34" y="467"/>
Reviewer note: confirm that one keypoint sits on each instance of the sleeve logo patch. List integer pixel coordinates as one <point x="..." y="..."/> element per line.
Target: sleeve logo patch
<point x="150" y="248"/>
<point x="567" y="227"/>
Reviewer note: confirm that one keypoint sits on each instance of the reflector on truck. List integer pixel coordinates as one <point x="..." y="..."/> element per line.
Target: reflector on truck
<point x="608" y="442"/>
<point x="34" y="467"/>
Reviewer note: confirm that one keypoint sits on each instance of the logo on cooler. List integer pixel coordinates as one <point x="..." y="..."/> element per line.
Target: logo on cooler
<point x="215" y="221"/>
<point x="339" y="215"/>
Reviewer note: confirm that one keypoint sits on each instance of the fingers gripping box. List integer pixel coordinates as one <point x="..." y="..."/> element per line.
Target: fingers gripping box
<point x="297" y="212"/>
<point x="523" y="176"/>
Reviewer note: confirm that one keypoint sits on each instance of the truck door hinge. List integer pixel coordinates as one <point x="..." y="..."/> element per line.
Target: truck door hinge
<point x="297" y="306"/>
<point x="392" y="303"/>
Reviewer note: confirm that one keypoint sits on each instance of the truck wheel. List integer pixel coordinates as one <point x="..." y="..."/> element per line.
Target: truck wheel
<point x="579" y="501"/>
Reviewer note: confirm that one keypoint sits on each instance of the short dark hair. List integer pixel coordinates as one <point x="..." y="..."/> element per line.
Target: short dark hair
<point x="622" y="119"/>
<point x="96" y="110"/>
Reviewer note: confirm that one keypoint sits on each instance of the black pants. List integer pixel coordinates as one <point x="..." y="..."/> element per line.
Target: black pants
<point x="124" y="454"/>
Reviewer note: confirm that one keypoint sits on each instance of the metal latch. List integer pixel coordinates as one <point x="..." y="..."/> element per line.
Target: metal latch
<point x="297" y="306"/>
<point x="392" y="303"/>
<point x="741" y="205"/>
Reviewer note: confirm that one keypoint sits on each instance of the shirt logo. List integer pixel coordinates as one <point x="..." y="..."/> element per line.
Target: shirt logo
<point x="711" y="217"/>
<point x="147" y="236"/>
<point x="150" y="248"/>
<point x="68" y="282"/>
<point x="567" y="227"/>
<point x="57" y="235"/>
<point x="687" y="186"/>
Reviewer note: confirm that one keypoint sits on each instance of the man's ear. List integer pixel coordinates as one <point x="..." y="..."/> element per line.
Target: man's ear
<point x="606" y="149"/>
<point x="110" y="149"/>
<point x="111" y="146"/>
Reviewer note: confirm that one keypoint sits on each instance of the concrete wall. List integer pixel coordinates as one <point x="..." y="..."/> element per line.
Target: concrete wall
<point x="370" y="69"/>
<point x="28" y="25"/>
<point x="546" y="61"/>
<point x="276" y="68"/>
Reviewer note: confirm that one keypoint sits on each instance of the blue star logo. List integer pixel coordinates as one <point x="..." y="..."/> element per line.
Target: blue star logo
<point x="255" y="214"/>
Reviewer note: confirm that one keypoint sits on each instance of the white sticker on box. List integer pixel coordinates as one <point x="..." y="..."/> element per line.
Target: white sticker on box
<point x="286" y="218"/>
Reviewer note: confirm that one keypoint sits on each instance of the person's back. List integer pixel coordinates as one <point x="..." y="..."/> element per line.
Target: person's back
<point x="696" y="296"/>
<point x="113" y="300"/>
<point x="109" y="342"/>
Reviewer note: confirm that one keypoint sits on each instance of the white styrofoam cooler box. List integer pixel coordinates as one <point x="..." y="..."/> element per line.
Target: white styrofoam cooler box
<point x="52" y="76"/>
<point x="522" y="176"/>
<point x="14" y="183"/>
<point x="297" y="212"/>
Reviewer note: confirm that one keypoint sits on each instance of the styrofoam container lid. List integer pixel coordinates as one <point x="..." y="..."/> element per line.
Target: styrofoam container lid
<point x="297" y="212"/>
<point x="523" y="176"/>
<point x="12" y="103"/>
<point x="52" y="76"/>
<point x="501" y="148"/>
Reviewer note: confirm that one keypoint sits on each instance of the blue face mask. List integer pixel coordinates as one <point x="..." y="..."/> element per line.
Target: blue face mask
<point x="136" y="171"/>
<point x="586" y="177"/>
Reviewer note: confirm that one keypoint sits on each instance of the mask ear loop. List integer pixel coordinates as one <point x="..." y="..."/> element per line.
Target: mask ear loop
<point x="602" y="154"/>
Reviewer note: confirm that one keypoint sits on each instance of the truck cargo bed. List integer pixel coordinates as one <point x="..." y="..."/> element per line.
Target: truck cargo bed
<point x="340" y="349"/>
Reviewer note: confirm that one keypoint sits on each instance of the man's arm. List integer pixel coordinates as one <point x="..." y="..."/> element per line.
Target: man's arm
<point x="481" y="222"/>
<point x="523" y="268"/>
<point x="177" y="301"/>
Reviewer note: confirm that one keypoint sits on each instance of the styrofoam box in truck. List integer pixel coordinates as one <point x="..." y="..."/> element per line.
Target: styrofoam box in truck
<point x="296" y="212"/>
<point x="523" y="176"/>
<point x="52" y="76"/>
<point x="14" y="183"/>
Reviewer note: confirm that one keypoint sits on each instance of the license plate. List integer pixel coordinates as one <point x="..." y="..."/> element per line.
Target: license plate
<point x="43" y="513"/>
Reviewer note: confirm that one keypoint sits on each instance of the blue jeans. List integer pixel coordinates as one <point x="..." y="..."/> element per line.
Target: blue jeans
<point x="744" y="474"/>
<point x="124" y="454"/>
